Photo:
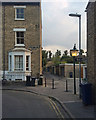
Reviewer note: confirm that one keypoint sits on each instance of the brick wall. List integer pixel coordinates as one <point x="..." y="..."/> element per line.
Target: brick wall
<point x="91" y="45"/>
<point x="33" y="37"/>
<point x="70" y="68"/>
<point x="90" y="41"/>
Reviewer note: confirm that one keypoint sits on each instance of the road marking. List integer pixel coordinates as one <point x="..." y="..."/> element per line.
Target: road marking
<point x="56" y="109"/>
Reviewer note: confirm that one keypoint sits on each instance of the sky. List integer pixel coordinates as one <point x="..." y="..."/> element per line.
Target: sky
<point x="59" y="30"/>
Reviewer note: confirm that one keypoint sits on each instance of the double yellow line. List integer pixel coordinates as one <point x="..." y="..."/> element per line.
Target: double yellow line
<point x="56" y="109"/>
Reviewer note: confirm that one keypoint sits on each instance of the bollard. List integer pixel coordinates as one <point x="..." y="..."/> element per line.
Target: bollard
<point x="66" y="86"/>
<point x="45" y="82"/>
<point x="52" y="83"/>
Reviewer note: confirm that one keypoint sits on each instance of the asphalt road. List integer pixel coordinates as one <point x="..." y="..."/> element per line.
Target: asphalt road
<point x="17" y="104"/>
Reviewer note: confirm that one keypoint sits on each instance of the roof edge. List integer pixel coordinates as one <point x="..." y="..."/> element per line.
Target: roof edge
<point x="87" y="6"/>
<point x="20" y="3"/>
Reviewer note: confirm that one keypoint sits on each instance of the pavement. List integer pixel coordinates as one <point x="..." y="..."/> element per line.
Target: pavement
<point x="71" y="103"/>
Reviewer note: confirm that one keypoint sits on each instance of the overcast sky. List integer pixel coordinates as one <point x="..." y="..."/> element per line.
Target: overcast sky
<point x="59" y="30"/>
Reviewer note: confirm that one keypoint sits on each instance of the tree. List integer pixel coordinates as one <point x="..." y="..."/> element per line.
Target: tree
<point x="66" y="58"/>
<point x="50" y="54"/>
<point x="58" y="53"/>
<point x="81" y="51"/>
<point x="65" y="52"/>
<point x="56" y="58"/>
<point x="44" y="57"/>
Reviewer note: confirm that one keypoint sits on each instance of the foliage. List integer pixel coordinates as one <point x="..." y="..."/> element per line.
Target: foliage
<point x="56" y="60"/>
<point x="58" y="53"/>
<point x="81" y="51"/>
<point x="65" y="52"/>
<point x="50" y="54"/>
<point x="67" y="59"/>
<point x="44" y="57"/>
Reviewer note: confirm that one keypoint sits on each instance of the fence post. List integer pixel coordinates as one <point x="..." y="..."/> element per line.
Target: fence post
<point x="52" y="83"/>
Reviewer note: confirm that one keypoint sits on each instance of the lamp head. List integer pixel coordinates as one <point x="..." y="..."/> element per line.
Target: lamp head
<point x="74" y="51"/>
<point x="75" y="15"/>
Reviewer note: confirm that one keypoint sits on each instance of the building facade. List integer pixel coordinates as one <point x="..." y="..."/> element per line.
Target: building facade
<point x="91" y="46"/>
<point x="67" y="70"/>
<point x="21" y="40"/>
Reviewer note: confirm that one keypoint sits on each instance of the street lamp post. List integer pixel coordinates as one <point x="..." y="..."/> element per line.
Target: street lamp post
<point x="74" y="52"/>
<point x="78" y="15"/>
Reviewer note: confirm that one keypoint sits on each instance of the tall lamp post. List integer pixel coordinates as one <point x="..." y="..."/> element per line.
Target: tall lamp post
<point x="74" y="53"/>
<point x="79" y="16"/>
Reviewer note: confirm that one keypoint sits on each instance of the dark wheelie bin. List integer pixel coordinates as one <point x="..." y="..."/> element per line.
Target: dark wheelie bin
<point x="86" y="93"/>
<point x="40" y="81"/>
<point x="28" y="80"/>
<point x="33" y="81"/>
<point x="70" y="74"/>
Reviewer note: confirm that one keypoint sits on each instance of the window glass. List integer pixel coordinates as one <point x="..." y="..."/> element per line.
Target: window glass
<point x="19" y="13"/>
<point x="27" y="62"/>
<point x="19" y="37"/>
<point x="19" y="63"/>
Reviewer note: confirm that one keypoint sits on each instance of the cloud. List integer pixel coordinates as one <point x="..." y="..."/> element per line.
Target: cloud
<point x="67" y="0"/>
<point x="59" y="29"/>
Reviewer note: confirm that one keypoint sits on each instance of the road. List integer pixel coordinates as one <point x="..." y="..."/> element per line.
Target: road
<point x="18" y="104"/>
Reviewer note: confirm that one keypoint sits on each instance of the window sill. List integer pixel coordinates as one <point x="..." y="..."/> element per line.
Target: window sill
<point x="21" y="45"/>
<point x="28" y="71"/>
<point x="19" y="19"/>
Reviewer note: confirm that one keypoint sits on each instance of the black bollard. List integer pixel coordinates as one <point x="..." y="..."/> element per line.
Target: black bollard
<point x="52" y="83"/>
<point x="66" y="86"/>
<point x="45" y="82"/>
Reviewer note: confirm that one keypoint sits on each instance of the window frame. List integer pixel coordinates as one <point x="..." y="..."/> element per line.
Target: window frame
<point x="17" y="37"/>
<point x="27" y="62"/>
<point x="10" y="62"/>
<point x="19" y="7"/>
<point x="19" y="62"/>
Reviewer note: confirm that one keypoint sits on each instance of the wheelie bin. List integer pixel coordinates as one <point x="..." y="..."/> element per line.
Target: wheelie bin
<point x="86" y="93"/>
